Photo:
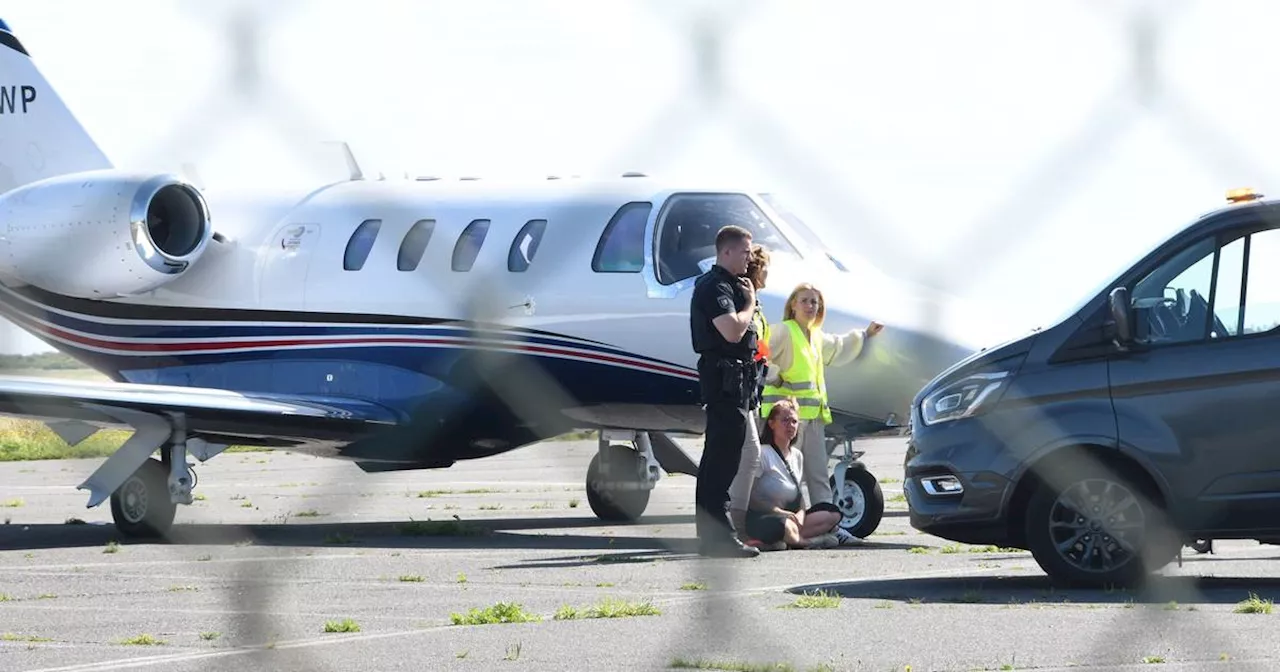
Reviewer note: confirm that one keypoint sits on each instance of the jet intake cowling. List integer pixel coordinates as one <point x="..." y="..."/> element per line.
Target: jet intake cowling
<point x="102" y="233"/>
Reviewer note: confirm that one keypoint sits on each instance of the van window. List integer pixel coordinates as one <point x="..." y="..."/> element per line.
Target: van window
<point x="360" y="244"/>
<point x="1261" y="288"/>
<point x="688" y="226"/>
<point x="621" y="245"/>
<point x="525" y="246"/>
<point x="468" y="246"/>
<point x="415" y="244"/>
<point x="1245" y="295"/>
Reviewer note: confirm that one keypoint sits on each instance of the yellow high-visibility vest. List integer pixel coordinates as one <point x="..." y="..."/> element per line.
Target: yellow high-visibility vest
<point x="762" y="335"/>
<point x="803" y="380"/>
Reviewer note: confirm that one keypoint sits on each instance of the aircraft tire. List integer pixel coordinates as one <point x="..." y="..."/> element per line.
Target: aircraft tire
<point x="141" y="506"/>
<point x="620" y="495"/>
<point x="864" y="509"/>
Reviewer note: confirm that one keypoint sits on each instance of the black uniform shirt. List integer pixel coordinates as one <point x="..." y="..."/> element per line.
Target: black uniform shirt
<point x="717" y="292"/>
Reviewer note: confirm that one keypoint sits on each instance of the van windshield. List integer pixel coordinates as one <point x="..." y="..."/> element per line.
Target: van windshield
<point x="1108" y="280"/>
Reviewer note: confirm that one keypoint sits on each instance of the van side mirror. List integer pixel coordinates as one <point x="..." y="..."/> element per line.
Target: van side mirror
<point x="1120" y="312"/>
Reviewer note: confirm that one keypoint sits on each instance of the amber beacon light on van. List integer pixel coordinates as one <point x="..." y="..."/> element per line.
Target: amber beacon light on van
<point x="1242" y="195"/>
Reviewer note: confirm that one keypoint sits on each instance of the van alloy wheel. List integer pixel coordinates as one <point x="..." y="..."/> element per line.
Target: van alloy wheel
<point x="1089" y="524"/>
<point x="1097" y="525"/>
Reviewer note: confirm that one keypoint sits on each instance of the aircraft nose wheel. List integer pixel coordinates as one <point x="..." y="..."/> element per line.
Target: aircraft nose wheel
<point x="141" y="506"/>
<point x="861" y="504"/>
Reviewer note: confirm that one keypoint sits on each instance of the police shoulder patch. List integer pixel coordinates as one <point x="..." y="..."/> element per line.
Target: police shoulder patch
<point x="725" y="302"/>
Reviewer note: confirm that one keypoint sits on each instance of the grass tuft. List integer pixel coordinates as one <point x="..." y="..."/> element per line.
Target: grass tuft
<point x="607" y="608"/>
<point x="819" y="600"/>
<point x="143" y="640"/>
<point x="1253" y="605"/>
<point x="502" y="612"/>
<point x="345" y="625"/>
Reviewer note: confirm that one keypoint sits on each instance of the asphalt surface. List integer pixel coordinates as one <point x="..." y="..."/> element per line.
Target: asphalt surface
<point x="283" y="544"/>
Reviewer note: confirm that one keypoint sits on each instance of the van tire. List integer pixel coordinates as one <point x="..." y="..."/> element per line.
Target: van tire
<point x="1109" y="487"/>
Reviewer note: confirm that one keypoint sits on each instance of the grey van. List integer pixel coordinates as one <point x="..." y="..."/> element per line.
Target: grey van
<point x="1147" y="418"/>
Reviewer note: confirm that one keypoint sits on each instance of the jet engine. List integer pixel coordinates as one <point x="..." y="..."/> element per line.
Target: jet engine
<point x="103" y="233"/>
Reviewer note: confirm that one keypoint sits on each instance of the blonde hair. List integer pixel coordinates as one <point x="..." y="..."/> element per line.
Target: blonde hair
<point x="789" y="312"/>
<point x="766" y="431"/>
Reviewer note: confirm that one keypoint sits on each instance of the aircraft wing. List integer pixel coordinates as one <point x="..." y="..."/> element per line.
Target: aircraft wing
<point x="206" y="421"/>
<point x="75" y="409"/>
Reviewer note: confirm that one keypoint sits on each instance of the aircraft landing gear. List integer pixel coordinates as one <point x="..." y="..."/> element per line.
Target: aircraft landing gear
<point x="141" y="506"/>
<point x="620" y="478"/>
<point x="856" y="492"/>
<point x="145" y="504"/>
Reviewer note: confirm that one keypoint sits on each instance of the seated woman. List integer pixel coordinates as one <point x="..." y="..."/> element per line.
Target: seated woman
<point x="777" y="517"/>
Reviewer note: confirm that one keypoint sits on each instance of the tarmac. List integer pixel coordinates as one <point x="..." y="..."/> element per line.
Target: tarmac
<point x="281" y="546"/>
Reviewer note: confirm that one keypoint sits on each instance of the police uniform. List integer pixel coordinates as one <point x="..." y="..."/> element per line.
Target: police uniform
<point x="729" y="380"/>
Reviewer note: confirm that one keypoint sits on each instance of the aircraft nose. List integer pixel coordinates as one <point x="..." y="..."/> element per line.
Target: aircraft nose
<point x="880" y="383"/>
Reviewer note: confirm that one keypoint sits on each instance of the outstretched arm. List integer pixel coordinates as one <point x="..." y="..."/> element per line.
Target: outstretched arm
<point x="840" y="349"/>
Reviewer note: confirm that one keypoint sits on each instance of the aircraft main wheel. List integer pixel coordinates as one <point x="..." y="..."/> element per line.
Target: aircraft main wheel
<point x="862" y="506"/>
<point x="620" y="493"/>
<point x="1202" y="545"/>
<point x="1099" y="530"/>
<point x="141" y="506"/>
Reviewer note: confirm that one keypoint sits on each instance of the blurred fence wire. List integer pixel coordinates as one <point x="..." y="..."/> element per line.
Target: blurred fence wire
<point x="722" y="624"/>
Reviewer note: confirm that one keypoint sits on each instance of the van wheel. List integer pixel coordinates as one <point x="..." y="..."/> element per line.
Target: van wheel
<point x="1098" y="530"/>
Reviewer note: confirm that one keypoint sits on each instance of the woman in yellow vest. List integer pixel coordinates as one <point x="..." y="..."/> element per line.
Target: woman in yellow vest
<point x="799" y="352"/>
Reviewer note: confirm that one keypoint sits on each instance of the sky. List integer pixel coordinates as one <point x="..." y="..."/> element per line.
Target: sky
<point x="999" y="150"/>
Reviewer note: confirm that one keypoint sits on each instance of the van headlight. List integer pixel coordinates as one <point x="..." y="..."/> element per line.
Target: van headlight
<point x="963" y="398"/>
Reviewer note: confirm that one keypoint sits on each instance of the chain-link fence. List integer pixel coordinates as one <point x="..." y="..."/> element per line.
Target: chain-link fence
<point x="725" y="76"/>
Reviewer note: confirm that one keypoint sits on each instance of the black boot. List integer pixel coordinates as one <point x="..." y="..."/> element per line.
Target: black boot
<point x="729" y="547"/>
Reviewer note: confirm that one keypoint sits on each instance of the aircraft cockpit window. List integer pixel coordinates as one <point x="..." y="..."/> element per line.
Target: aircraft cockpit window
<point x="360" y="244"/>
<point x="687" y="233"/>
<point x="621" y="246"/>
<point x="525" y="246"/>
<point x="468" y="247"/>
<point x="415" y="244"/>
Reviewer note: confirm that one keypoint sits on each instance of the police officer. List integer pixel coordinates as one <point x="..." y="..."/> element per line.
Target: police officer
<point x="724" y="336"/>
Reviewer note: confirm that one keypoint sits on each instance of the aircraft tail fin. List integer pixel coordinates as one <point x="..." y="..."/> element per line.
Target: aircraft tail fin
<point x="39" y="136"/>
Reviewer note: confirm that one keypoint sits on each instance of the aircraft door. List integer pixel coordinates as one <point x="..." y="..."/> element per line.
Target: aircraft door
<point x="282" y="281"/>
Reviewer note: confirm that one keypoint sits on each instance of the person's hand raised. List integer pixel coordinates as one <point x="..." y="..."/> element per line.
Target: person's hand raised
<point x="874" y="328"/>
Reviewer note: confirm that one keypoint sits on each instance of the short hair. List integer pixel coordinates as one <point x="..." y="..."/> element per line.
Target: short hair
<point x="730" y="234"/>
<point x="789" y="310"/>
<point x="757" y="263"/>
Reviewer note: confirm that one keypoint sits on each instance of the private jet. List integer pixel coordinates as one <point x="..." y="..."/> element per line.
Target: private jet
<point x="396" y="323"/>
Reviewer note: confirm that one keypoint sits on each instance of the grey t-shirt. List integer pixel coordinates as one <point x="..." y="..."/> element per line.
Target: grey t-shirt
<point x="774" y="487"/>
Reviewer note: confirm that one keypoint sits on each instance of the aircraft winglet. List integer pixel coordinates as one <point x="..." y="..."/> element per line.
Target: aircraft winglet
<point x="353" y="166"/>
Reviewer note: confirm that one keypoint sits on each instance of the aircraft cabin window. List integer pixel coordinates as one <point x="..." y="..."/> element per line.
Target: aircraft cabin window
<point x="360" y="244"/>
<point x="525" y="245"/>
<point x="621" y="246"/>
<point x="468" y="246"/>
<point x="415" y="244"/>
<point x="688" y="226"/>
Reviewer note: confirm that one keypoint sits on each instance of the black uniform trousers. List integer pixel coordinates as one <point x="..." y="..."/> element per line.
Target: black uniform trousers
<point x="727" y="425"/>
